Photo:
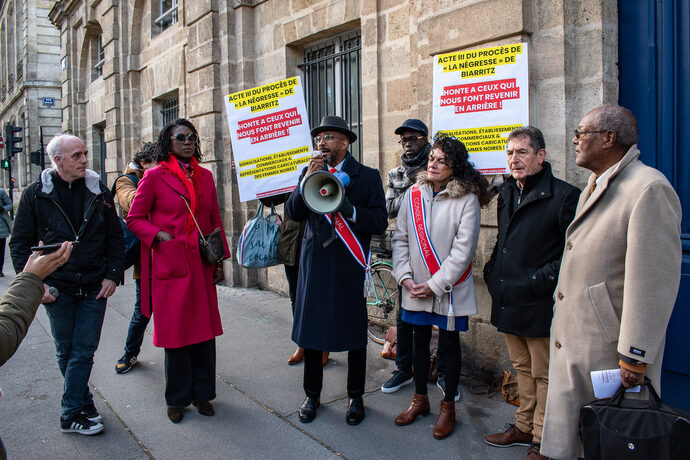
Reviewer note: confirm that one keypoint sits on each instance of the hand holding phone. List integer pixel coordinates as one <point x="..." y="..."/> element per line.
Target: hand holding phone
<point x="47" y="248"/>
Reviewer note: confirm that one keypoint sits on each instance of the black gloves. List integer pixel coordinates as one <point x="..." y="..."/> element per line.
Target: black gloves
<point x="346" y="208"/>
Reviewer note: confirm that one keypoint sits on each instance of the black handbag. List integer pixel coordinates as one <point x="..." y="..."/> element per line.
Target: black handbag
<point x="619" y="428"/>
<point x="211" y="246"/>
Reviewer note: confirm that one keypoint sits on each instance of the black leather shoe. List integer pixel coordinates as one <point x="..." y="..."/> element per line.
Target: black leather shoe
<point x="204" y="408"/>
<point x="355" y="411"/>
<point x="175" y="414"/>
<point x="307" y="412"/>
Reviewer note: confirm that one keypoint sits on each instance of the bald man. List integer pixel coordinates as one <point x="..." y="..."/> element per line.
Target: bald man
<point x="619" y="275"/>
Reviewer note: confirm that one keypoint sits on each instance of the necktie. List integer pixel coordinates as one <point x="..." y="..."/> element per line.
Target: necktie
<point x="594" y="185"/>
<point x="332" y="170"/>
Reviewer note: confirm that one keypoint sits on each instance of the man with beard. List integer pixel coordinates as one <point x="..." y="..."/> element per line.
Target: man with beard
<point x="330" y="307"/>
<point x="416" y="147"/>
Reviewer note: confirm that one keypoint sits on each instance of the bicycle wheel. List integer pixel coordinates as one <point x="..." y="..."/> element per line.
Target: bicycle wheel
<point x="381" y="303"/>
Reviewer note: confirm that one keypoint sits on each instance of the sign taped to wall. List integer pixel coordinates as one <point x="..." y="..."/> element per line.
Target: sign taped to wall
<point x="271" y="142"/>
<point x="480" y="96"/>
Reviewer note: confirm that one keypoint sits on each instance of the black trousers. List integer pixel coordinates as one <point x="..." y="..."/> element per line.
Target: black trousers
<point x="356" y="372"/>
<point x="190" y="374"/>
<point x="2" y="253"/>
<point x="292" y="273"/>
<point x="403" y="356"/>
<point x="448" y="348"/>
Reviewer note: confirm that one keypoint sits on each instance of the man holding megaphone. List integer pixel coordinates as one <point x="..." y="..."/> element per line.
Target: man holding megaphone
<point x="343" y="203"/>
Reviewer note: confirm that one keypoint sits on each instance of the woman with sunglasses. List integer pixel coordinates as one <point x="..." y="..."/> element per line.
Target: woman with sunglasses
<point x="177" y="286"/>
<point x="433" y="246"/>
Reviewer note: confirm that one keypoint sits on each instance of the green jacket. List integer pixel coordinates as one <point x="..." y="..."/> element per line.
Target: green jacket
<point x="17" y="310"/>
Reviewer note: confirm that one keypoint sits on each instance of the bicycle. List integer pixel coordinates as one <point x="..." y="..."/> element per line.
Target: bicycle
<point x="383" y="300"/>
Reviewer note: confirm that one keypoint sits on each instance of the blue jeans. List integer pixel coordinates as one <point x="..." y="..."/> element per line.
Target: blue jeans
<point x="76" y="324"/>
<point x="137" y="326"/>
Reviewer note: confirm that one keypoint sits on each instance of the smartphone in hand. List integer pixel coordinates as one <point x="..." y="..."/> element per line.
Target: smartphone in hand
<point x="48" y="248"/>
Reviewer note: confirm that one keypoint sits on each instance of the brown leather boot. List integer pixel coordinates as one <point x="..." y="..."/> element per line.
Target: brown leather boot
<point x="446" y="420"/>
<point x="419" y="406"/>
<point x="324" y="358"/>
<point x="296" y="357"/>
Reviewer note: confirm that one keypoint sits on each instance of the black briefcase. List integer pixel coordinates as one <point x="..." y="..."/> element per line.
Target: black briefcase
<point x="619" y="428"/>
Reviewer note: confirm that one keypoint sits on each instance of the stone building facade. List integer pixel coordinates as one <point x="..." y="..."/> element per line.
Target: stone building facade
<point x="127" y="63"/>
<point x="29" y="80"/>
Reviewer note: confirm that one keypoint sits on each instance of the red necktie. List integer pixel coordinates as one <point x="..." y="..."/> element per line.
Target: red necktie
<point x="336" y="215"/>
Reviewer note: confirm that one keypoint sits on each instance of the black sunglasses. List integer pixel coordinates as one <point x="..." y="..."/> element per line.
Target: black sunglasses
<point x="191" y="137"/>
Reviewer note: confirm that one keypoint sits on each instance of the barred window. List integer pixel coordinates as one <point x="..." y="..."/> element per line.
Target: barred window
<point x="165" y="16"/>
<point x="99" y="148"/>
<point x="99" y="57"/>
<point x="332" y="72"/>
<point x="169" y="110"/>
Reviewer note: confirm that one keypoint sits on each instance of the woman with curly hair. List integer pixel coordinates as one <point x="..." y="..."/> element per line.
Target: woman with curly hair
<point x="433" y="246"/>
<point x="177" y="286"/>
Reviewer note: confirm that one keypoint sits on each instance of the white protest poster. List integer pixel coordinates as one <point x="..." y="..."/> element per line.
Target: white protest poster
<point x="269" y="131"/>
<point x="479" y="97"/>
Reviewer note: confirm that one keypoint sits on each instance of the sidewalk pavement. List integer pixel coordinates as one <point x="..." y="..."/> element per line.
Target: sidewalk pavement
<point x="258" y="396"/>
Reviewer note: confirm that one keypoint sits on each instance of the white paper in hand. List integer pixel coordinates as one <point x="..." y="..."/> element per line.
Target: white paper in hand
<point x="605" y="383"/>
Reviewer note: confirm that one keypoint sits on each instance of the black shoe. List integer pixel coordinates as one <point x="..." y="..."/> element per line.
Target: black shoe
<point x="2" y="275"/>
<point x="308" y="410"/>
<point x="175" y="414"/>
<point x="204" y="408"/>
<point x="125" y="364"/>
<point x="91" y="413"/>
<point x="399" y="380"/>
<point x="355" y="411"/>
<point x="80" y="424"/>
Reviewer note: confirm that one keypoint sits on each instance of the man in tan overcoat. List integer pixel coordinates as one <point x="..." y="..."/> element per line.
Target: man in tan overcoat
<point x="619" y="275"/>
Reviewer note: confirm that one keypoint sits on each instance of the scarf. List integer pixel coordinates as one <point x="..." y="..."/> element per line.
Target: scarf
<point x="415" y="164"/>
<point x="190" y="177"/>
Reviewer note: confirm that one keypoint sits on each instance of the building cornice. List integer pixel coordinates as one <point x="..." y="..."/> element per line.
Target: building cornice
<point x="60" y="9"/>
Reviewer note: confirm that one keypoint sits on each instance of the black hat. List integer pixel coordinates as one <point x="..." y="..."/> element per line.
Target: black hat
<point x="333" y="123"/>
<point x="414" y="125"/>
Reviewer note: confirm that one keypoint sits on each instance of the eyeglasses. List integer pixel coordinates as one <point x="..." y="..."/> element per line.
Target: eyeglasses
<point x="411" y="139"/>
<point x="191" y="137"/>
<point x="326" y="137"/>
<point x="579" y="134"/>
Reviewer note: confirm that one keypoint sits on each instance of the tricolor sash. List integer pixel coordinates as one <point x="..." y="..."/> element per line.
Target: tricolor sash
<point x="426" y="247"/>
<point x="347" y="236"/>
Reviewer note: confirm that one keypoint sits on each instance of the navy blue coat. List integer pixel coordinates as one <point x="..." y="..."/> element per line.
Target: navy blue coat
<point x="330" y="308"/>
<point x="523" y="270"/>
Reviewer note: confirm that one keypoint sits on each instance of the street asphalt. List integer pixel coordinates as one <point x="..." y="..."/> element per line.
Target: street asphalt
<point x="258" y="396"/>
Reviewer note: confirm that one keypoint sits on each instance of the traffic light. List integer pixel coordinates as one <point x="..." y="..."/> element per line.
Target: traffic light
<point x="11" y="140"/>
<point x="5" y="163"/>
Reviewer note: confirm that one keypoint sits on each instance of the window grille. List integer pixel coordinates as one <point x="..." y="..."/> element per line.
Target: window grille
<point x="3" y="92"/>
<point x="333" y="83"/>
<point x="100" y="57"/>
<point x="167" y="14"/>
<point x="100" y="138"/>
<point x="169" y="110"/>
<point x="10" y="84"/>
<point x="20" y="71"/>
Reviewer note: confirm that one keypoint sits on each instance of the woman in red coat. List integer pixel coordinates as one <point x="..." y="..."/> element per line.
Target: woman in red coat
<point x="177" y="287"/>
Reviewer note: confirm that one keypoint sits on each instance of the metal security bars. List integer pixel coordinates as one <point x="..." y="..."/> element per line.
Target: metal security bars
<point x="100" y="58"/>
<point x="169" y="110"/>
<point x="332" y="73"/>
<point x="168" y="14"/>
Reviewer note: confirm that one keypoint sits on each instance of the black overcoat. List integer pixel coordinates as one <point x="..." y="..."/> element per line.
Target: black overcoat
<point x="523" y="270"/>
<point x="330" y="308"/>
